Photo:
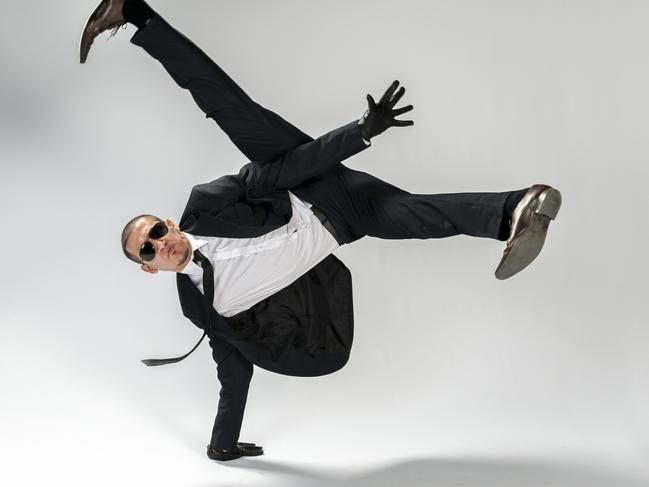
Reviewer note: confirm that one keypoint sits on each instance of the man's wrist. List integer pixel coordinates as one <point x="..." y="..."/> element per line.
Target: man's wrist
<point x="364" y="134"/>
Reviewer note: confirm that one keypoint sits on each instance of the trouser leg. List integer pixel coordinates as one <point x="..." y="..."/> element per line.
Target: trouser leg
<point x="367" y="206"/>
<point x="260" y="134"/>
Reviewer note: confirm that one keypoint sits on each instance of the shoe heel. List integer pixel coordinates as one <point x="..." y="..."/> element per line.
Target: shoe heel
<point x="549" y="203"/>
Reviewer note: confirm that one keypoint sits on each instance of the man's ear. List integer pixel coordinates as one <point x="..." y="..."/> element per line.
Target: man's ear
<point x="169" y="223"/>
<point x="148" y="269"/>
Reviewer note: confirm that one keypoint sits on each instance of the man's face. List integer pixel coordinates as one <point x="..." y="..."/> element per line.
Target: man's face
<point x="172" y="252"/>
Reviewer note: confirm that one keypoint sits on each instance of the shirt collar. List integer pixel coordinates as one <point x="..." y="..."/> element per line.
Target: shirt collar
<point x="192" y="267"/>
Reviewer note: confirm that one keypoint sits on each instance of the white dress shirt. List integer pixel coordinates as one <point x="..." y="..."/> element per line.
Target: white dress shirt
<point x="248" y="270"/>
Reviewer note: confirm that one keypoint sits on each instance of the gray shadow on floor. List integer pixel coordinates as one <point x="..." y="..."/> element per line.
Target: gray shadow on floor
<point x="461" y="472"/>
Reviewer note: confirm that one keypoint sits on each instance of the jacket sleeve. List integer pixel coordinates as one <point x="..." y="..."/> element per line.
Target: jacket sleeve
<point x="234" y="372"/>
<point x="306" y="160"/>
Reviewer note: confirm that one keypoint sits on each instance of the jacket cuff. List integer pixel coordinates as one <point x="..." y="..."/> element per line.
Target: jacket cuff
<point x="360" y="122"/>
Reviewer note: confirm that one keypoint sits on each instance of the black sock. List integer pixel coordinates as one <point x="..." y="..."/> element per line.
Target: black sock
<point x="510" y="203"/>
<point x="137" y="12"/>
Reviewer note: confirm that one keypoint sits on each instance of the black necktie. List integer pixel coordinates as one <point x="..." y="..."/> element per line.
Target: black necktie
<point x="208" y="276"/>
<point x="208" y="291"/>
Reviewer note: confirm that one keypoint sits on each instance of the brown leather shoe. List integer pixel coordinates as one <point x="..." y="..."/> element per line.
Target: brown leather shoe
<point x="107" y="15"/>
<point x="529" y="227"/>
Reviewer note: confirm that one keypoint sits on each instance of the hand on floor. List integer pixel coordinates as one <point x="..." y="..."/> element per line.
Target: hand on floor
<point x="241" y="450"/>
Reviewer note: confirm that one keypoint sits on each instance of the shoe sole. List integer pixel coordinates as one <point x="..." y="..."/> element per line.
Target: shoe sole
<point x="529" y="243"/>
<point x="87" y="38"/>
<point x="85" y="42"/>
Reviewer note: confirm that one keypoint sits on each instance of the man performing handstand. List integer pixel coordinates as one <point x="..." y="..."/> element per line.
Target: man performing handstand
<point x="252" y="251"/>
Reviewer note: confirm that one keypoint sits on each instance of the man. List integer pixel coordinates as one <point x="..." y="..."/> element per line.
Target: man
<point x="252" y="252"/>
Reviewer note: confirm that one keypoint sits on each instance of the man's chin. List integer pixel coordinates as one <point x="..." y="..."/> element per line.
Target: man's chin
<point x="185" y="257"/>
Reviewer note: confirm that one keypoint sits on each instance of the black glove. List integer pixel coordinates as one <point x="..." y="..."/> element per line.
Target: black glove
<point x="242" y="449"/>
<point x="379" y="117"/>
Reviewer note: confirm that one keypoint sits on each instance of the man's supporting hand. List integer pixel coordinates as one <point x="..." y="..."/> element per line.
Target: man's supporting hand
<point x="380" y="116"/>
<point x="241" y="450"/>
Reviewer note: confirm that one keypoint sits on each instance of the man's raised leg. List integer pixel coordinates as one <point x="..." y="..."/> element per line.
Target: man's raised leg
<point x="259" y="133"/>
<point x="363" y="205"/>
<point x="371" y="207"/>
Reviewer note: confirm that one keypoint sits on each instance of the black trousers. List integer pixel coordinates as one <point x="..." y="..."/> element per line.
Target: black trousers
<point x="357" y="203"/>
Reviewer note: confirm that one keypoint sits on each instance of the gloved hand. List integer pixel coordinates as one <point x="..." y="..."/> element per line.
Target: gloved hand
<point x="380" y="116"/>
<point x="242" y="449"/>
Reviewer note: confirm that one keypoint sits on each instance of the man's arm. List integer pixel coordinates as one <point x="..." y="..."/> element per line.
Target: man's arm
<point x="306" y="160"/>
<point x="234" y="372"/>
<point x="322" y="154"/>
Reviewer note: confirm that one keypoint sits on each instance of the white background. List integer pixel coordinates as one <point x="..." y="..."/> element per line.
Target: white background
<point x="455" y="378"/>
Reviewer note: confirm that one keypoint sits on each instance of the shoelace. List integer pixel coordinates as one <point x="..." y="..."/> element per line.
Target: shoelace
<point x="114" y="31"/>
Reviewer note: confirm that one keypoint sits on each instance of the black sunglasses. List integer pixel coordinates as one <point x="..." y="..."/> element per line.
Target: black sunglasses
<point x="147" y="251"/>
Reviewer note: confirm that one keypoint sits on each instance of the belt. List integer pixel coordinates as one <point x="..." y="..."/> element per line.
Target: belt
<point x="325" y="221"/>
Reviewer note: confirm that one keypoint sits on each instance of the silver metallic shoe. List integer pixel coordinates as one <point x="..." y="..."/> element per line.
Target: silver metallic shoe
<point x="529" y="227"/>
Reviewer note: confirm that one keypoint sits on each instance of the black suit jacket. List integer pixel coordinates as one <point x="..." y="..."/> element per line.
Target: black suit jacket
<point x="305" y="329"/>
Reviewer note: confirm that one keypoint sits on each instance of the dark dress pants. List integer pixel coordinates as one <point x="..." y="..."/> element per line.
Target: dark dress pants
<point x="357" y="203"/>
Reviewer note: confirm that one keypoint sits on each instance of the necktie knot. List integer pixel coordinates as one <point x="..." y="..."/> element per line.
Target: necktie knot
<point x="199" y="258"/>
<point x="208" y="274"/>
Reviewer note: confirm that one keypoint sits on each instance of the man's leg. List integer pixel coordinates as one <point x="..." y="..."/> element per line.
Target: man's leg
<point x="259" y="133"/>
<point x="360" y="204"/>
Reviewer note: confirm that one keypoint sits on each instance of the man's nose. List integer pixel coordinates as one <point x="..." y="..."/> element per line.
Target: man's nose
<point x="160" y="244"/>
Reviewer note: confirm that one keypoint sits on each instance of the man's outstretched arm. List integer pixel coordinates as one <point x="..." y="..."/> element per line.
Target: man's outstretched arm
<point x="322" y="154"/>
<point x="307" y="160"/>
